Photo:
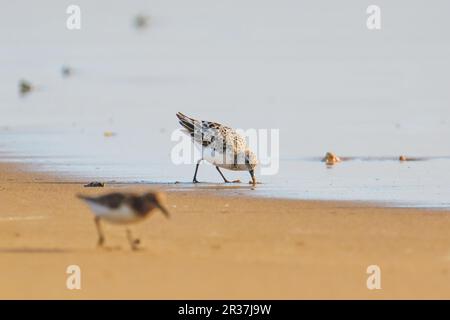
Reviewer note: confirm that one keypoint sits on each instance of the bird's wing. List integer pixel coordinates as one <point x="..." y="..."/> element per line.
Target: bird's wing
<point x="202" y="132"/>
<point x="112" y="200"/>
<point x="212" y="134"/>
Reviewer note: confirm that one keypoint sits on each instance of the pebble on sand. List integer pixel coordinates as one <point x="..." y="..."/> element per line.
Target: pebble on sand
<point x="94" y="184"/>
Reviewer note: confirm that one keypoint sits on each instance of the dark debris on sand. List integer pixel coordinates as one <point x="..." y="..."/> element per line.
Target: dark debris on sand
<point x="94" y="184"/>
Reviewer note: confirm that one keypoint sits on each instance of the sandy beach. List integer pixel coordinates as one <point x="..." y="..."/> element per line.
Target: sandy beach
<point x="141" y="95"/>
<point x="216" y="247"/>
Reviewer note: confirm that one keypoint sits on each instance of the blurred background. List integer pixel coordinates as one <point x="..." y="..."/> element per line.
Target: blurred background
<point x="311" y="69"/>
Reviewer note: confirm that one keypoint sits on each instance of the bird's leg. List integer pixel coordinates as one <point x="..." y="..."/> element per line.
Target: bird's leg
<point x="101" y="238"/>
<point x="133" y="242"/>
<point x="224" y="179"/>
<point x="196" y="170"/>
<point x="252" y="174"/>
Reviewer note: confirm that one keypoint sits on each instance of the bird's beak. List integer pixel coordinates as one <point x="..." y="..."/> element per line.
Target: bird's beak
<point x="163" y="210"/>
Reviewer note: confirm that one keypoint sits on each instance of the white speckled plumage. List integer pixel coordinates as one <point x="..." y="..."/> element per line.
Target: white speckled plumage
<point x="124" y="208"/>
<point x="221" y="146"/>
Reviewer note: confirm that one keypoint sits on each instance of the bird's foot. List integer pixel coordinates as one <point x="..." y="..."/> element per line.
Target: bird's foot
<point x="101" y="242"/>
<point x="135" y="244"/>
<point x="234" y="181"/>
<point x="195" y="181"/>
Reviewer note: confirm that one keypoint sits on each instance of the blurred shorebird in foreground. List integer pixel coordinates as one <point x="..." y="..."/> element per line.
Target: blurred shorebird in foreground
<point x="124" y="208"/>
<point x="221" y="146"/>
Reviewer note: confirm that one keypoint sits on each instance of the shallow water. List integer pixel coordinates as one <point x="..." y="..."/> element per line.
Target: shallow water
<point x="308" y="68"/>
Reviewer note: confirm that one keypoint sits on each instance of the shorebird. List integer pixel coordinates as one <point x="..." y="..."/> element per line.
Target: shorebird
<point x="124" y="208"/>
<point x="221" y="146"/>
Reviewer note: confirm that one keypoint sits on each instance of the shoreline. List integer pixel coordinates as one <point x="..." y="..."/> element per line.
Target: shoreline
<point x="28" y="171"/>
<point x="217" y="247"/>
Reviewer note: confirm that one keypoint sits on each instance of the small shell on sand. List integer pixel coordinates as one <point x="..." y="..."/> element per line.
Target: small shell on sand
<point x="403" y="158"/>
<point x="331" y="159"/>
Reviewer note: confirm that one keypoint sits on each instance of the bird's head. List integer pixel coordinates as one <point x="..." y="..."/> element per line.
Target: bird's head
<point x="158" y="199"/>
<point x="250" y="160"/>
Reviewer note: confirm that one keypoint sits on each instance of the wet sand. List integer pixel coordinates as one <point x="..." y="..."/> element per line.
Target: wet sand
<point x="216" y="247"/>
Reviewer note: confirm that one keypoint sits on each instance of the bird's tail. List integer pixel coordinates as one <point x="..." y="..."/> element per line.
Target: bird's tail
<point x="187" y="122"/>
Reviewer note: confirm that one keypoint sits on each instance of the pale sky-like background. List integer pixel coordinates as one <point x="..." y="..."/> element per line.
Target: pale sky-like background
<point x="311" y="69"/>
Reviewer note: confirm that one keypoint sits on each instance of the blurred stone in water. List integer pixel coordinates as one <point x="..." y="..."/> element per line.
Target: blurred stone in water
<point x="141" y="21"/>
<point x="25" y="87"/>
